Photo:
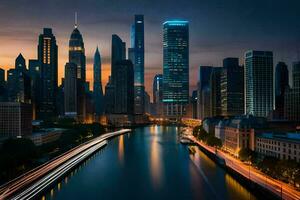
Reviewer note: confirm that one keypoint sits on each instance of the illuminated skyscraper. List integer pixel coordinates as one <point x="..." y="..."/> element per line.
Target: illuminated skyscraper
<point x="47" y="56"/>
<point x="175" y="68"/>
<point x="158" y="94"/>
<point x="136" y="55"/>
<point x="77" y="56"/>
<point x="259" y="82"/>
<point x="98" y="92"/>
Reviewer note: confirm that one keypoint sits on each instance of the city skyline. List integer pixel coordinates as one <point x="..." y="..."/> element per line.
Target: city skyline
<point x="208" y="44"/>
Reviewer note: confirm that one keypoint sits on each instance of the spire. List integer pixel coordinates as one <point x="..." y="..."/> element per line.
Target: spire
<point x="97" y="50"/>
<point x="76" y="23"/>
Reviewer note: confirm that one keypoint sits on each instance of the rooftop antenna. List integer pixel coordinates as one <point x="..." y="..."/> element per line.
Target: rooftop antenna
<point x="76" y="23"/>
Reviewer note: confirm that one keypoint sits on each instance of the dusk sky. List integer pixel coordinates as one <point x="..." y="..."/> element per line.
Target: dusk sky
<point x="218" y="29"/>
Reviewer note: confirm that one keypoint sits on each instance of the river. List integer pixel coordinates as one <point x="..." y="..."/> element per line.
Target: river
<point x="148" y="163"/>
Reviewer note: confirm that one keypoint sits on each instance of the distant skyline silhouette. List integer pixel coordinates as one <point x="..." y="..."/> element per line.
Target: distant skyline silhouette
<point x="218" y="29"/>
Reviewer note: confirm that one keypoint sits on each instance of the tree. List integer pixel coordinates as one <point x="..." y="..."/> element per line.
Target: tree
<point x="245" y="154"/>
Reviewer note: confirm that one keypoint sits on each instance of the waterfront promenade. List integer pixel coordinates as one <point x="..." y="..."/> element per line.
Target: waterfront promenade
<point x="281" y="189"/>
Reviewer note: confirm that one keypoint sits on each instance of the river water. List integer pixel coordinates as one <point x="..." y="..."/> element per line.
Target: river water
<point x="148" y="163"/>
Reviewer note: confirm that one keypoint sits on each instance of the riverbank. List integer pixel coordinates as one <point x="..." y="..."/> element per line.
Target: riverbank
<point x="246" y="174"/>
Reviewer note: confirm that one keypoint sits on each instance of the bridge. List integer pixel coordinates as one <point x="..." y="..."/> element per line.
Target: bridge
<point x="30" y="184"/>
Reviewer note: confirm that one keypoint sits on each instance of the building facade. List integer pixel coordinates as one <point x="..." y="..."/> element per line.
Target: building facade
<point x="175" y="68"/>
<point x="203" y="99"/>
<point x="158" y="94"/>
<point x="19" y="82"/>
<point x="70" y="90"/>
<point x="292" y="96"/>
<point x="281" y="86"/>
<point x="47" y="56"/>
<point x="77" y="57"/>
<point x="232" y="88"/>
<point x="259" y="83"/>
<point x="124" y="88"/>
<point x="215" y="92"/>
<point x="138" y="60"/>
<point x="15" y="119"/>
<point x="284" y="146"/>
<point x="98" y="91"/>
<point x="35" y="76"/>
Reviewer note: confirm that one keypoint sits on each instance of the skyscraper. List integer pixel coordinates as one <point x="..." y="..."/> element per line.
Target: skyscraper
<point x="124" y="88"/>
<point x="98" y="92"/>
<point x="2" y="85"/>
<point x="77" y="56"/>
<point x="281" y="85"/>
<point x="47" y="56"/>
<point x="138" y="51"/>
<point x="259" y="82"/>
<point x="232" y="88"/>
<point x="35" y="76"/>
<point x="215" y="91"/>
<point x="109" y="97"/>
<point x="203" y="99"/>
<point x="18" y="82"/>
<point x="292" y="96"/>
<point x="175" y="68"/>
<point x="70" y="90"/>
<point x="158" y="94"/>
<point x="118" y="53"/>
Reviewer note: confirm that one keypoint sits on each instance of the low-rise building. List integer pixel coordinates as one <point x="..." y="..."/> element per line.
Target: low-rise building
<point x="279" y="145"/>
<point x="220" y="129"/>
<point x="45" y="136"/>
<point x="210" y="123"/>
<point x="240" y="133"/>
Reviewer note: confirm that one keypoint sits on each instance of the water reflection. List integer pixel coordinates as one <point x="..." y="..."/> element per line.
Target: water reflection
<point x="121" y="149"/>
<point x="155" y="158"/>
<point x="233" y="185"/>
<point x="156" y="166"/>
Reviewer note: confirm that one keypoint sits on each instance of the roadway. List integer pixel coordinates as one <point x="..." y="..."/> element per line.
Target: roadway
<point x="281" y="189"/>
<point x="34" y="181"/>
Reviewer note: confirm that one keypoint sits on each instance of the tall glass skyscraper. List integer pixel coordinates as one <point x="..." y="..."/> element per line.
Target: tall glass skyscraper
<point x="77" y="56"/>
<point x="175" y="67"/>
<point x="98" y="92"/>
<point x="47" y="55"/>
<point x="259" y="83"/>
<point x="136" y="54"/>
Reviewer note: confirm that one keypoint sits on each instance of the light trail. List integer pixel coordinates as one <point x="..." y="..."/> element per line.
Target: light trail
<point x="22" y="183"/>
<point x="282" y="190"/>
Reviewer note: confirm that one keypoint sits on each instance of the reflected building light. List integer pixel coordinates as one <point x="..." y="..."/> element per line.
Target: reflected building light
<point x="156" y="169"/>
<point x="59" y="186"/>
<point x="121" y="149"/>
